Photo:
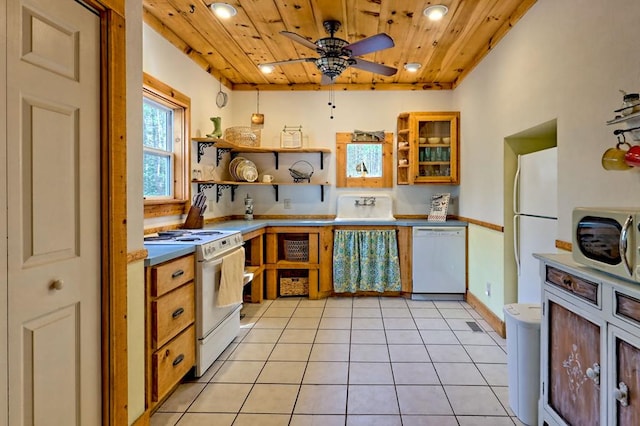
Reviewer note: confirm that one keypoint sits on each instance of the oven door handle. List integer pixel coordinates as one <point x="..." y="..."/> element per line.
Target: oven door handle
<point x="208" y="263"/>
<point x="623" y="244"/>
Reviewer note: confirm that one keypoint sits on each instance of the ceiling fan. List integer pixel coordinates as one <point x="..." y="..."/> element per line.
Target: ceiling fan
<point x="337" y="54"/>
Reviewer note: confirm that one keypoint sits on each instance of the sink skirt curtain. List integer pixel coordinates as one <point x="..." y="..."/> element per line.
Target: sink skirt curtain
<point x="365" y="261"/>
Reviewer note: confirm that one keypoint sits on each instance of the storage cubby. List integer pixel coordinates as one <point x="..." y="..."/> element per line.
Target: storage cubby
<point x="254" y="255"/>
<point x="298" y="252"/>
<point x="293" y="282"/>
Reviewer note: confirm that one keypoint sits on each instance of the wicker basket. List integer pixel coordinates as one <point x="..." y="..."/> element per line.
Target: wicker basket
<point x="294" y="286"/>
<point x="242" y="135"/>
<point x="296" y="250"/>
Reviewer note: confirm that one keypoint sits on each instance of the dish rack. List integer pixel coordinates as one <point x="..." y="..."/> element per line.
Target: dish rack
<point x="300" y="171"/>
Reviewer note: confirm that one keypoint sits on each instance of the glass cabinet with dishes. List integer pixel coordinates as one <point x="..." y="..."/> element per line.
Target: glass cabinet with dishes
<point x="428" y="147"/>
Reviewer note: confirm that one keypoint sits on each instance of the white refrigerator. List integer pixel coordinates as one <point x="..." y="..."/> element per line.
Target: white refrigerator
<point x="535" y="205"/>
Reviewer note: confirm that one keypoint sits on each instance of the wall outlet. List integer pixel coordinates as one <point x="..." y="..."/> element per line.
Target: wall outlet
<point x="287" y="203"/>
<point x="487" y="289"/>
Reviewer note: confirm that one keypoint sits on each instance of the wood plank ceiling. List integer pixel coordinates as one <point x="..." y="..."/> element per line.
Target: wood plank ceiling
<point x="232" y="49"/>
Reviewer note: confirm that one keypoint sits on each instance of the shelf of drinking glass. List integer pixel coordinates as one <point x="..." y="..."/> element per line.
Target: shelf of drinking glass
<point x="221" y="185"/>
<point x="434" y="163"/>
<point x="434" y="145"/>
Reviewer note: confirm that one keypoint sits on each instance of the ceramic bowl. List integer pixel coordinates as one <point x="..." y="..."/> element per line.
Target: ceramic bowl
<point x="422" y="140"/>
<point x="433" y="140"/>
<point x="446" y="140"/>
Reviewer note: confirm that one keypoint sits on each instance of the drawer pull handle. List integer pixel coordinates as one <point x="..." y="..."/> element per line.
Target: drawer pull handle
<point x="594" y="373"/>
<point x="178" y="360"/>
<point x="177" y="273"/>
<point x="177" y="313"/>
<point x="621" y="393"/>
<point x="569" y="283"/>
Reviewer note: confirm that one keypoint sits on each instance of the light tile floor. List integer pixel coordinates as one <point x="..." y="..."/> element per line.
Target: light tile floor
<point x="351" y="361"/>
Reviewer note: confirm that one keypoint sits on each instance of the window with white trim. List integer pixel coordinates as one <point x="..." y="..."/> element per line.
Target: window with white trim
<point x="165" y="144"/>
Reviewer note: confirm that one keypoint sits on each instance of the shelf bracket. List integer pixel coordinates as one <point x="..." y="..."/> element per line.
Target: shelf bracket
<point x="275" y="187"/>
<point x="205" y="185"/>
<point x="202" y="146"/>
<point x="275" y="154"/>
<point x="221" y="187"/>
<point x="219" y="153"/>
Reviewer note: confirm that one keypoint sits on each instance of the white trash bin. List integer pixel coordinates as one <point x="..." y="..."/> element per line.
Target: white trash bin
<point x="523" y="359"/>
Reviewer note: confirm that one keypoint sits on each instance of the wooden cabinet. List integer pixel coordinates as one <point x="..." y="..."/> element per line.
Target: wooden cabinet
<point x="428" y="147"/>
<point x="254" y="263"/>
<point x="170" y="330"/>
<point x="223" y="147"/>
<point x="302" y="253"/>
<point x="590" y="338"/>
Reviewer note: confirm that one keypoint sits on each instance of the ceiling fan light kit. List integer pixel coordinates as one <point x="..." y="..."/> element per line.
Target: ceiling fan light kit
<point x="337" y="54"/>
<point x="412" y="66"/>
<point x="223" y="10"/>
<point x="436" y="12"/>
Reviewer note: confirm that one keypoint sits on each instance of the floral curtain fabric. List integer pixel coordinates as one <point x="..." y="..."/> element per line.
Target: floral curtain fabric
<point x="365" y="261"/>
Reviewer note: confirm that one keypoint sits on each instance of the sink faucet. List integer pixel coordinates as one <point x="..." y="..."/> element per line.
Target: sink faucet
<point x="366" y="201"/>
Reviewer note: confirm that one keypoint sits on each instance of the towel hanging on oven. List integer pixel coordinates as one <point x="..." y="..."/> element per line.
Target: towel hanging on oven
<point x="232" y="279"/>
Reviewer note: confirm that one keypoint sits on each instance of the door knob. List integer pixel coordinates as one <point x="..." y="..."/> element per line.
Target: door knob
<point x="594" y="373"/>
<point x="621" y="393"/>
<point x="57" y="285"/>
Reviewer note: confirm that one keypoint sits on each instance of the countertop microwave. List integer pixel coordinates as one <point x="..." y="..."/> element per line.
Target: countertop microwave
<point x="607" y="239"/>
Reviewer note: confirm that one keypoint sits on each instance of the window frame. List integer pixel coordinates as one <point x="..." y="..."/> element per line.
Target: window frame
<point x="343" y="140"/>
<point x="164" y="94"/>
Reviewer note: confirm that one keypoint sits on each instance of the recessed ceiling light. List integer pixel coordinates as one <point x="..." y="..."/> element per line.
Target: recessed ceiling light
<point x="435" y="13"/>
<point x="412" y="66"/>
<point x="266" y="68"/>
<point x="223" y="10"/>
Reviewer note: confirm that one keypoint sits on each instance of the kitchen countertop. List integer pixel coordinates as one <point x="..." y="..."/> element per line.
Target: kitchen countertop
<point x="162" y="253"/>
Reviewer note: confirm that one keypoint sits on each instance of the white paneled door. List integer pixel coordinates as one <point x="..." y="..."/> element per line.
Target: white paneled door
<point x="53" y="226"/>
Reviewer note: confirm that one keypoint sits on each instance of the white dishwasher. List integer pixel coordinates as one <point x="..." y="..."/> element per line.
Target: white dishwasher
<point x="439" y="262"/>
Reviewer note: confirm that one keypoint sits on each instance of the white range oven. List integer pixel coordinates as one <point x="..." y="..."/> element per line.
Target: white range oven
<point x="216" y="326"/>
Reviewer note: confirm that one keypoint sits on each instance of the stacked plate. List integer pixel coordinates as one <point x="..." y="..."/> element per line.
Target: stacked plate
<point x="242" y="169"/>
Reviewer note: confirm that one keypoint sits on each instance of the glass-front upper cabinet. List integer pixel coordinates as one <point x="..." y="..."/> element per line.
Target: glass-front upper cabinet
<point x="428" y="144"/>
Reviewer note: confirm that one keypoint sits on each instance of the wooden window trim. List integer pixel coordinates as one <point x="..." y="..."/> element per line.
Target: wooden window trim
<point x="156" y="89"/>
<point x="385" y="181"/>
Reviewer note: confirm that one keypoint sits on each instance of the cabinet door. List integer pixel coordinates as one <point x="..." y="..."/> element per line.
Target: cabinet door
<point x="436" y="141"/>
<point x="573" y="344"/>
<point x="624" y="382"/>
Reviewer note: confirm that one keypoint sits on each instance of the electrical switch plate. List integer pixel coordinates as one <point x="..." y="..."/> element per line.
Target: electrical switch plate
<point x="487" y="290"/>
<point x="287" y="203"/>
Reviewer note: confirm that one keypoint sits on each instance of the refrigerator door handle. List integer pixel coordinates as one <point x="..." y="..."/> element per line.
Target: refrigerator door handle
<point x="516" y="245"/>
<point x="516" y="183"/>
<point x="623" y="244"/>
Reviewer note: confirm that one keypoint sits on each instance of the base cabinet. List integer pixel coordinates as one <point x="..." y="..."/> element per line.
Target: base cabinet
<point x="590" y="340"/>
<point x="170" y="329"/>
<point x="298" y="262"/>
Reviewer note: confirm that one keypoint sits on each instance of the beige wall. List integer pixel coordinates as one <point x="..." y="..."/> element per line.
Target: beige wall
<point x="135" y="271"/>
<point x="565" y="61"/>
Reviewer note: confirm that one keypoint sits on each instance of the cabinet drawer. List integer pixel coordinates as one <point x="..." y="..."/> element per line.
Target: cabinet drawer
<point x="582" y="288"/>
<point x="171" y="313"/>
<point x="628" y="307"/>
<point x="170" y="275"/>
<point x="171" y="362"/>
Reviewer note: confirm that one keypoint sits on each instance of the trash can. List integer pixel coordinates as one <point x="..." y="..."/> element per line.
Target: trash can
<point x="523" y="359"/>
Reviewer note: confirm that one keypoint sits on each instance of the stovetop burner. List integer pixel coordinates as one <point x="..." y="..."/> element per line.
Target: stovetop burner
<point x="186" y="236"/>
<point x="158" y="238"/>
